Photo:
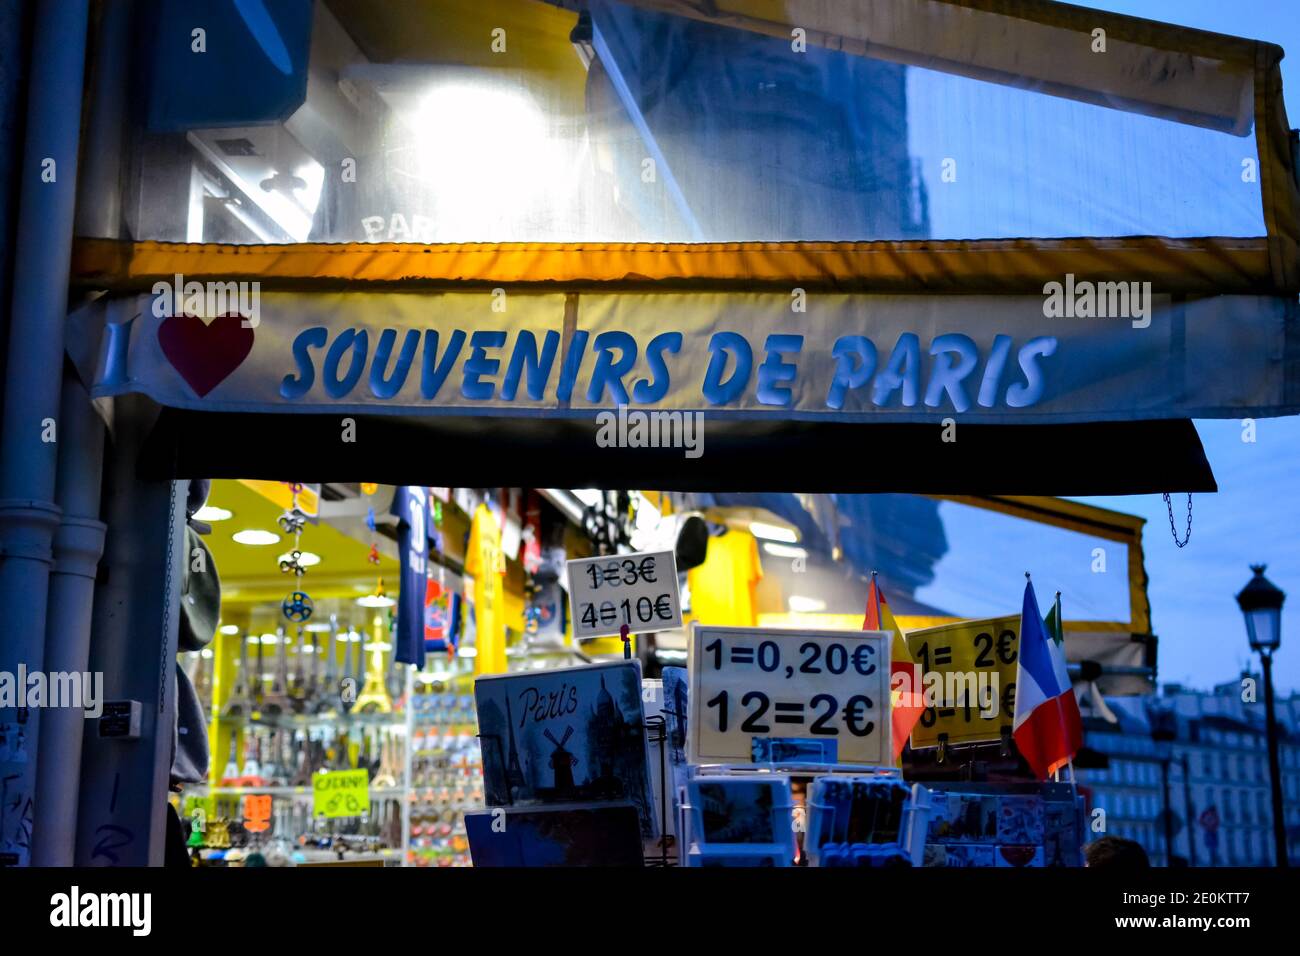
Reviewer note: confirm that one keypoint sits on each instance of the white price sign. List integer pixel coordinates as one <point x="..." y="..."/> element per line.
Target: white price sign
<point x="639" y="590"/>
<point x="794" y="696"/>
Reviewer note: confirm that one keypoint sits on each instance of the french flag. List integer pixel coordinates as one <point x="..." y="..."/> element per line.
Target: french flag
<point x="1047" y="729"/>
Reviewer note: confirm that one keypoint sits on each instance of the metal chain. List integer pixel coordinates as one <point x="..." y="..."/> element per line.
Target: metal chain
<point x="1169" y="507"/>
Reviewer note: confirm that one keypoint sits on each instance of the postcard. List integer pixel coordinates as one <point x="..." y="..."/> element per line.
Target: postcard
<point x="571" y="735"/>
<point x="607" y="835"/>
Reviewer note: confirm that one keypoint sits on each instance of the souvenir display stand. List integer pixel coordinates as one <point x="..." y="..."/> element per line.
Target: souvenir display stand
<point x="424" y="773"/>
<point x="1006" y="824"/>
<point x="881" y="820"/>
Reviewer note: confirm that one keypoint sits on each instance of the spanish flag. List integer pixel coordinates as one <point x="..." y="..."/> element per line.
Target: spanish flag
<point x="905" y="698"/>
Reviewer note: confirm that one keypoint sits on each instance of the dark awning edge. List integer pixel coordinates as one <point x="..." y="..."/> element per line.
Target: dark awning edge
<point x="1104" y="458"/>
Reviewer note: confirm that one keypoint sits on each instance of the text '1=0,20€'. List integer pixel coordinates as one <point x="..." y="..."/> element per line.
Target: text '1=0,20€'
<point x="816" y="657"/>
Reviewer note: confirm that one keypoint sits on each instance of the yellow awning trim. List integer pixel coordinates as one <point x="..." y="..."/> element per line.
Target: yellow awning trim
<point x="1210" y="266"/>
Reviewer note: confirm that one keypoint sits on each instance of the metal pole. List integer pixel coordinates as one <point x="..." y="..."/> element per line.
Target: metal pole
<point x="78" y="546"/>
<point x="1191" y="811"/>
<point x="1274" y="770"/>
<point x="1169" y="817"/>
<point x="33" y="375"/>
<point x="79" y="543"/>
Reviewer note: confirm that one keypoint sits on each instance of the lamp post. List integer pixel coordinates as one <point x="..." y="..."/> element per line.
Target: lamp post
<point x="1261" y="604"/>
<point x="1164" y="731"/>
<point x="1190" y="808"/>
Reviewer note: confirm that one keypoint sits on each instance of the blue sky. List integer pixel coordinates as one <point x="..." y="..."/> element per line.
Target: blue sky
<point x="1256" y="514"/>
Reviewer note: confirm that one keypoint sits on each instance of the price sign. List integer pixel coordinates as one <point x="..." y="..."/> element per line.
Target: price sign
<point x="639" y="590"/>
<point x="340" y="793"/>
<point x="969" y="679"/>
<point x="797" y="686"/>
<point x="257" y="812"/>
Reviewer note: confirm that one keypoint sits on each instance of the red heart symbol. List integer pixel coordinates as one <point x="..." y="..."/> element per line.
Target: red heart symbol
<point x="205" y="353"/>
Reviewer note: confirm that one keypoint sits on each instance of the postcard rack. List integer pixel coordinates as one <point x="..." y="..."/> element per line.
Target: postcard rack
<point x="818" y="818"/>
<point x="656" y="727"/>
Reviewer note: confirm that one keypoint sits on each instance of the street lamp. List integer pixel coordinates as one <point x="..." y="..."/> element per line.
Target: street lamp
<point x="1261" y="604"/>
<point x="1164" y="731"/>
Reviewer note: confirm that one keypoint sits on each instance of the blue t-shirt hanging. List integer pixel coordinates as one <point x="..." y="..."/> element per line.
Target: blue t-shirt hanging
<point x="411" y="506"/>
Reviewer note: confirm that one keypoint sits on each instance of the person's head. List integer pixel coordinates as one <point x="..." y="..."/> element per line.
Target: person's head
<point x="1115" y="853"/>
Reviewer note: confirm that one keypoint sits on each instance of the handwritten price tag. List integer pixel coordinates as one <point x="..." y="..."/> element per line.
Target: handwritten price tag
<point x="639" y="590"/>
<point x="789" y="691"/>
<point x="340" y="793"/>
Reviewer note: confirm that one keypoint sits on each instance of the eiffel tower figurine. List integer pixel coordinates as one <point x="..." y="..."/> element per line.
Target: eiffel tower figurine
<point x="278" y="700"/>
<point x="515" y="782"/>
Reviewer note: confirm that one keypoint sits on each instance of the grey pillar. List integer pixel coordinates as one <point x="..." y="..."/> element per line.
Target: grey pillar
<point x="78" y="545"/>
<point x="123" y="794"/>
<point x="33" y="379"/>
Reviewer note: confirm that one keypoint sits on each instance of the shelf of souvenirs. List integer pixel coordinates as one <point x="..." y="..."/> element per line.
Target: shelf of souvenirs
<point x="235" y="847"/>
<point x="460" y="794"/>
<point x="459" y="714"/>
<point x="298" y="793"/>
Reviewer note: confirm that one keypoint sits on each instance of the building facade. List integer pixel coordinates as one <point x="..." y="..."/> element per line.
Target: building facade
<point x="1218" y="776"/>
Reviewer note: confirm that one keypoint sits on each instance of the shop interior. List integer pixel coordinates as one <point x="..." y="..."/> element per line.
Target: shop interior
<point x="301" y="676"/>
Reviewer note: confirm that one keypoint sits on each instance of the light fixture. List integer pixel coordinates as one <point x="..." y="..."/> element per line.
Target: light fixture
<point x="270" y="639"/>
<point x="783" y="550"/>
<point x="1261" y="604"/>
<point x="229" y="628"/>
<point x="467" y="652"/>
<point x="316" y="627"/>
<point x="806" y="605"/>
<point x="213" y="513"/>
<point x="590" y="497"/>
<point x="256" y="537"/>
<point x="377" y="598"/>
<point x="308" y="559"/>
<point x="773" y="532"/>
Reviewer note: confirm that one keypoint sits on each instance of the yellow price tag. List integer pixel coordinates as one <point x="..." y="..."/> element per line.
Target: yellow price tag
<point x="968" y="680"/>
<point x="340" y="793"/>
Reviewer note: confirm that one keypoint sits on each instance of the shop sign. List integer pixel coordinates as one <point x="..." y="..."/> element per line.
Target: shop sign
<point x="636" y="590"/>
<point x="340" y="793"/>
<point x="987" y="359"/>
<point x="968" y="680"/>
<point x="756" y="691"/>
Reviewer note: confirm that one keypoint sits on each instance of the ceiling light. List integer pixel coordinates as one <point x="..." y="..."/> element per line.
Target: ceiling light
<point x="590" y="497"/>
<point x="213" y="513"/>
<point x="229" y="628"/>
<point x="308" y="559"/>
<point x="377" y="598"/>
<point x="798" y="603"/>
<point x="256" y="537"/>
<point x="318" y="626"/>
<point x="772" y="532"/>
<point x="783" y="550"/>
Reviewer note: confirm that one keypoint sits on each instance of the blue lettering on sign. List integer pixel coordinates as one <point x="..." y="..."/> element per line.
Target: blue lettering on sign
<point x="951" y="373"/>
<point x="722" y="345"/>
<point x="775" y="371"/>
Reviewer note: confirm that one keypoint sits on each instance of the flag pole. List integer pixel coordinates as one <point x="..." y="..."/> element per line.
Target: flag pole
<point x="1060" y="622"/>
